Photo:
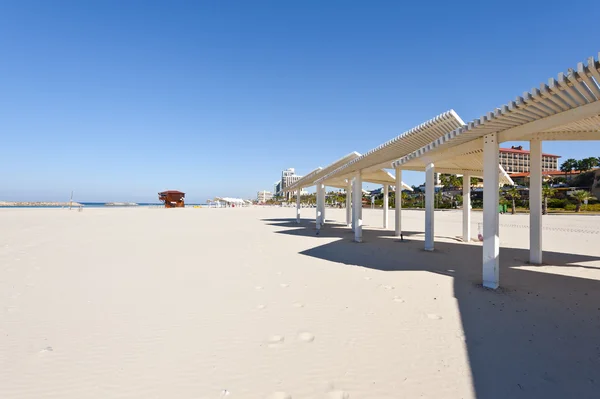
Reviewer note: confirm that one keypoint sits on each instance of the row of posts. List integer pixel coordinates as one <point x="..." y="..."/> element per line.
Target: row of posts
<point x="491" y="241"/>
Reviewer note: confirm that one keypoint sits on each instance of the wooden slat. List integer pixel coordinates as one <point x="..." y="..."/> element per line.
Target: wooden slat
<point x="530" y="108"/>
<point x="596" y="64"/>
<point x="528" y="112"/>
<point x="591" y="67"/>
<point x="496" y="120"/>
<point x="504" y="123"/>
<point x="516" y="113"/>
<point x="555" y="88"/>
<point x="572" y="89"/>
<point x="546" y="102"/>
<point x="507" y="115"/>
<point x="539" y="102"/>
<point x="549" y="96"/>
<point x="582" y="73"/>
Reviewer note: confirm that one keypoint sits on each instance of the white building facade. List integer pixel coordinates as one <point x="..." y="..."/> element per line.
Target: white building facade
<point x="263" y="196"/>
<point x="288" y="177"/>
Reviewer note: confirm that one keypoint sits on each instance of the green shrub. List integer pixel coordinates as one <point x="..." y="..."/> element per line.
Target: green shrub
<point x="591" y="207"/>
<point x="557" y="203"/>
<point x="522" y="203"/>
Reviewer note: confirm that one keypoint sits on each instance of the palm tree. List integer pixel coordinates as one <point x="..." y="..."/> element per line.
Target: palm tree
<point x="405" y="197"/>
<point x="587" y="164"/>
<point x="513" y="194"/>
<point x="547" y="192"/>
<point x="450" y="181"/>
<point x="583" y="165"/>
<point x="580" y="196"/>
<point x="568" y="166"/>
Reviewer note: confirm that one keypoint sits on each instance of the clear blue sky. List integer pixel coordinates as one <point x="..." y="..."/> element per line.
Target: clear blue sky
<point x="121" y="99"/>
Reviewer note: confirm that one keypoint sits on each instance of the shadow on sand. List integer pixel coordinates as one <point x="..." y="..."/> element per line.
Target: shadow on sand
<point x="538" y="336"/>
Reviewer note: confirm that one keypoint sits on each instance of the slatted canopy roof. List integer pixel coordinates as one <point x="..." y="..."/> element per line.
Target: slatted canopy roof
<point x="382" y="156"/>
<point x="567" y="108"/>
<point x="311" y="178"/>
<point x="471" y="162"/>
<point x="305" y="181"/>
<point x="379" y="176"/>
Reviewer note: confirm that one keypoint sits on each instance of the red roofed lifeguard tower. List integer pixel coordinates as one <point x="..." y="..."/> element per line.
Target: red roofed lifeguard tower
<point x="172" y="198"/>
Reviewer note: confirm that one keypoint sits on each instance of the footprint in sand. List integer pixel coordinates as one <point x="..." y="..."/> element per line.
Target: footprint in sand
<point x="306" y="337"/>
<point x="276" y="341"/>
<point x="258" y="288"/>
<point x="398" y="299"/>
<point x="47" y="349"/>
<point x="434" y="316"/>
<point x="387" y="287"/>
<point x="338" y="395"/>
<point x="368" y="278"/>
<point x="298" y="305"/>
<point x="279" y="395"/>
<point x="284" y="285"/>
<point x="261" y="307"/>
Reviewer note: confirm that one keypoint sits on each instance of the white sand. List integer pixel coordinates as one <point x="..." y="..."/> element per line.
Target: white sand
<point x="242" y="303"/>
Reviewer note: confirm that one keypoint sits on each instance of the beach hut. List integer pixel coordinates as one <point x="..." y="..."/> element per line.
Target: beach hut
<point x="172" y="198"/>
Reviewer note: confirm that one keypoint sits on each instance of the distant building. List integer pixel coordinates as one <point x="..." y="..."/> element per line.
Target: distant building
<point x="548" y="176"/>
<point x="288" y="177"/>
<point x="263" y="196"/>
<point x="517" y="160"/>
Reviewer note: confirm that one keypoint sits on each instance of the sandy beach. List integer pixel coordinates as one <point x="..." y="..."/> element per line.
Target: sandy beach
<point x="245" y="303"/>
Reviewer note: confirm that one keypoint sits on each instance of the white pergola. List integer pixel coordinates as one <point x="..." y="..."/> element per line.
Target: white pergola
<point x="469" y="165"/>
<point x="232" y="201"/>
<point x="317" y="178"/>
<point x="567" y="108"/>
<point x="357" y="170"/>
<point x="311" y="180"/>
<point x="378" y="176"/>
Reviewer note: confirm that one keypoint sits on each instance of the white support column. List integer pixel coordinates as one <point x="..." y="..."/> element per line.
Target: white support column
<point x="398" y="211"/>
<point x="320" y="200"/>
<point x="491" y="237"/>
<point x="386" y="205"/>
<point x="353" y="205"/>
<point x="317" y="207"/>
<point x="466" y="231"/>
<point x="349" y="203"/>
<point x="358" y="207"/>
<point x="298" y="205"/>
<point x="535" y="203"/>
<point x="323" y="206"/>
<point x="429" y="206"/>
